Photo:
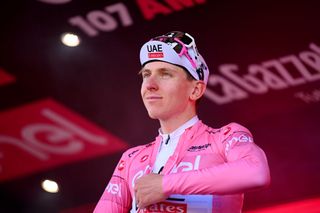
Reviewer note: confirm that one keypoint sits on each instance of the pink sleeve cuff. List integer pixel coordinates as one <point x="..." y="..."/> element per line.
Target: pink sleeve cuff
<point x="166" y="185"/>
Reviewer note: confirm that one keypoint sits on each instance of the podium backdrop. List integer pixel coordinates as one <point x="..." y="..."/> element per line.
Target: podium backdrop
<point x="68" y="113"/>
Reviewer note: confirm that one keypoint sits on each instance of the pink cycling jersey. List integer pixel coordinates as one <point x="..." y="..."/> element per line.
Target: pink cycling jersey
<point x="208" y="172"/>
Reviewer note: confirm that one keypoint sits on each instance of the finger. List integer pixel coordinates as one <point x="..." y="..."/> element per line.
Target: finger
<point x="143" y="203"/>
<point x="137" y="199"/>
<point x="141" y="206"/>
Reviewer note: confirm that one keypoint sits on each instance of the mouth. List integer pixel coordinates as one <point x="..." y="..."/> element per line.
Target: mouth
<point x="153" y="98"/>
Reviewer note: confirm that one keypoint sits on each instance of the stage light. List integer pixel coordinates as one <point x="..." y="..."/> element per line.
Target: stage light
<point x="70" y="39"/>
<point x="50" y="186"/>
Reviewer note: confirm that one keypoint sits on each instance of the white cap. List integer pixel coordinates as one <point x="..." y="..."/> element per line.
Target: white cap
<point x="163" y="50"/>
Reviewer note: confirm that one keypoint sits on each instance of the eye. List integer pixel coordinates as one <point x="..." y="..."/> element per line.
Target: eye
<point x="145" y="74"/>
<point x="166" y="74"/>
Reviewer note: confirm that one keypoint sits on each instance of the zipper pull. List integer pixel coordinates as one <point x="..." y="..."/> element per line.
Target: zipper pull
<point x="167" y="141"/>
<point x="160" y="170"/>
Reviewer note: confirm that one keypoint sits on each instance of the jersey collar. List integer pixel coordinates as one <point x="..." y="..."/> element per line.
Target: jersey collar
<point x="178" y="132"/>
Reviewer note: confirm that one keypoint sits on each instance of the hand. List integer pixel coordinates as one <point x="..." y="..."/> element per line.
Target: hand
<point x="148" y="190"/>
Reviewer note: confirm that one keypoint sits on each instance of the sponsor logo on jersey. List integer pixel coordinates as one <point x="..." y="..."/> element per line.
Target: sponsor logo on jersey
<point x="114" y="189"/>
<point x="144" y="158"/>
<point x="199" y="148"/>
<point x="227" y="130"/>
<point x="241" y="137"/>
<point x="187" y="166"/>
<point x="132" y="153"/>
<point x="213" y="131"/>
<point x="165" y="207"/>
<point x="139" y="174"/>
<point x="121" y="165"/>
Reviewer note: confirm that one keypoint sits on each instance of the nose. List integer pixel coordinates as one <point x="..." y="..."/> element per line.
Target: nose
<point x="150" y="83"/>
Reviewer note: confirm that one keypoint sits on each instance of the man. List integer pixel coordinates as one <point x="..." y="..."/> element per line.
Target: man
<point x="190" y="167"/>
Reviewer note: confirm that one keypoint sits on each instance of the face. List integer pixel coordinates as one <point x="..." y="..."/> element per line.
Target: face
<point x="165" y="90"/>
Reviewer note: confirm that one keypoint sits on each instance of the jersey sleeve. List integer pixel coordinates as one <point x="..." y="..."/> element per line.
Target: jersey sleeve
<point x="116" y="197"/>
<point x="245" y="168"/>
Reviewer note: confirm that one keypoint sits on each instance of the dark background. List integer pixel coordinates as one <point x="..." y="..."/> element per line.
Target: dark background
<point x="99" y="80"/>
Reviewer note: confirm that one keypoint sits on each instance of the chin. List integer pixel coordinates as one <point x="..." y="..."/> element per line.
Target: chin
<point x="154" y="114"/>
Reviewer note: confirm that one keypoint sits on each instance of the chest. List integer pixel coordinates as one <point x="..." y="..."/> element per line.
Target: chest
<point x="194" y="157"/>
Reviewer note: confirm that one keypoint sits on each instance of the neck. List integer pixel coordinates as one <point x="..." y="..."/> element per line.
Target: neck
<point x="173" y="123"/>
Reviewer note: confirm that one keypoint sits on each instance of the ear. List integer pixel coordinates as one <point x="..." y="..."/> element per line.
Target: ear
<point x="198" y="90"/>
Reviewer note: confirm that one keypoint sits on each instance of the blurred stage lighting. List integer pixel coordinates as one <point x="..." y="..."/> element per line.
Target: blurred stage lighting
<point x="70" y="39"/>
<point x="50" y="186"/>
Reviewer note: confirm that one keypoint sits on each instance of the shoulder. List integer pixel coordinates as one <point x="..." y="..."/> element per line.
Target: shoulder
<point x="226" y="129"/>
<point x="235" y="133"/>
<point x="133" y="151"/>
<point x="233" y="128"/>
<point x="127" y="158"/>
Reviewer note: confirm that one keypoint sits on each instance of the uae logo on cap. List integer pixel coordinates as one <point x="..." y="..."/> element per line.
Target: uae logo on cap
<point x="155" y="51"/>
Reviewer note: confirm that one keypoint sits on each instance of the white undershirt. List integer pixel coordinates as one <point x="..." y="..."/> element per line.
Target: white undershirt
<point x="169" y="144"/>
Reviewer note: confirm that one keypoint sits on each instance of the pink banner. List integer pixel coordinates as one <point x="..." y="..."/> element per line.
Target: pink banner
<point x="45" y="134"/>
<point x="6" y="78"/>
